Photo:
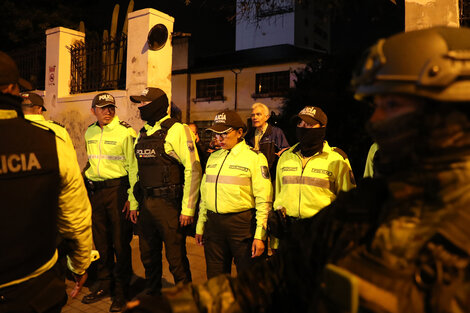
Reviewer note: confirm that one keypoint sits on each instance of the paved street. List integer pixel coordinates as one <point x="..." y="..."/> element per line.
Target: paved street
<point x="198" y="271"/>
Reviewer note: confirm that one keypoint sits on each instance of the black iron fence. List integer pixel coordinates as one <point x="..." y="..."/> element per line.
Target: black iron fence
<point x="98" y="65"/>
<point x="31" y="63"/>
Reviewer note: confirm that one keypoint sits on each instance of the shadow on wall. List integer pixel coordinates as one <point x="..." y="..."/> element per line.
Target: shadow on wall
<point x="77" y="123"/>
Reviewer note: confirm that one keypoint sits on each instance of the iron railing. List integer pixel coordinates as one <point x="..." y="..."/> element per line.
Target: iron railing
<point x="98" y="65"/>
<point x="31" y="64"/>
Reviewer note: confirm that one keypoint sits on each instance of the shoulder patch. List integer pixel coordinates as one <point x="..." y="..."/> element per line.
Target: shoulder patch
<point x="340" y="152"/>
<point x="125" y="124"/>
<point x="57" y="123"/>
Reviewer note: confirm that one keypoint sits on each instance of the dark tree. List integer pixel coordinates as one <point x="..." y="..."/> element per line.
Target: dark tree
<point x="326" y="81"/>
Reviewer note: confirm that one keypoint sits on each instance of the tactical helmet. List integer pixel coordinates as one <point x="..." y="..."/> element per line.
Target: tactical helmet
<point x="432" y="63"/>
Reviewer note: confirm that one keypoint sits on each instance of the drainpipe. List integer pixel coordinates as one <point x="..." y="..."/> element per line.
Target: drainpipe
<point x="236" y="71"/>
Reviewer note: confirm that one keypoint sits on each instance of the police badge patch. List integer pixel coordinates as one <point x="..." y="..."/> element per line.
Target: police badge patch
<point x="190" y="146"/>
<point x="265" y="172"/>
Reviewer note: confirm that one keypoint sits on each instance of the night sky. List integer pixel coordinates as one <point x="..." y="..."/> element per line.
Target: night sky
<point x="23" y="23"/>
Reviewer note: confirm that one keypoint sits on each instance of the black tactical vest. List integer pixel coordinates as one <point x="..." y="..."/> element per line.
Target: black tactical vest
<point x="29" y="190"/>
<point x="156" y="168"/>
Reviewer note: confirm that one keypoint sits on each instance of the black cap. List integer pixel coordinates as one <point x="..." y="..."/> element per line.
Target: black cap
<point x="150" y="94"/>
<point x="9" y="73"/>
<point x="31" y="99"/>
<point x="312" y="115"/>
<point x="102" y="100"/>
<point x="226" y="120"/>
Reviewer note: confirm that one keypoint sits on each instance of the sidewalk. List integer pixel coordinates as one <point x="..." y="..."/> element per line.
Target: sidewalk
<point x="196" y="261"/>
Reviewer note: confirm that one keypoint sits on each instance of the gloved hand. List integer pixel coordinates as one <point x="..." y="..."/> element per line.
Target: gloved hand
<point x="277" y="222"/>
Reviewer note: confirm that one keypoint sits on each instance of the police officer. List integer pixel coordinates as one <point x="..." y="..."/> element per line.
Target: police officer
<point x="311" y="172"/>
<point x="399" y="243"/>
<point x="33" y="108"/>
<point x="42" y="195"/>
<point x="111" y="160"/>
<point x="169" y="174"/>
<point x="236" y="196"/>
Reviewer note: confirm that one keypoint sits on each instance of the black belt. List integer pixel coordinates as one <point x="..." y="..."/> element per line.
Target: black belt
<point x="209" y="212"/>
<point x="172" y="191"/>
<point x="95" y="185"/>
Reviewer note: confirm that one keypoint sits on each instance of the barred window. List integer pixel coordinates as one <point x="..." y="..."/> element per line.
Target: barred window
<point x="272" y="84"/>
<point x="210" y="89"/>
<point x="464" y="8"/>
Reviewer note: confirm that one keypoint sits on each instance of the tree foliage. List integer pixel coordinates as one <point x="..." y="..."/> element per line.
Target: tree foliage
<point x="326" y="80"/>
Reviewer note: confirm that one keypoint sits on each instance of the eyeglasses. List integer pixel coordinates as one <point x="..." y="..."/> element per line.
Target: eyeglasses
<point x="225" y="134"/>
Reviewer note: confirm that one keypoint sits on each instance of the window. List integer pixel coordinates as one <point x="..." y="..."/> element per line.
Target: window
<point x="210" y="89"/>
<point x="274" y="84"/>
<point x="464" y="14"/>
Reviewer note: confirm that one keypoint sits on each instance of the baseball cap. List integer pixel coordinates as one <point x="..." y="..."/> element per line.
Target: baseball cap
<point x="103" y="99"/>
<point x="31" y="99"/>
<point x="313" y="115"/>
<point x="226" y="120"/>
<point x="149" y="94"/>
<point x="9" y="73"/>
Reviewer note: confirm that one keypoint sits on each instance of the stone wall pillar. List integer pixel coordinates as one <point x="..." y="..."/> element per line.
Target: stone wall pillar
<point x="147" y="68"/>
<point x="421" y="14"/>
<point x="58" y="62"/>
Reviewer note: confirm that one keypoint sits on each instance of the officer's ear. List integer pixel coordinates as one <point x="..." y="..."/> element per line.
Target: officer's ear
<point x="93" y="111"/>
<point x="240" y="133"/>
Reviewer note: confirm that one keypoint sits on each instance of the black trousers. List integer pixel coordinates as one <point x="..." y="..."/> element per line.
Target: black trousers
<point x="228" y="237"/>
<point x="159" y="222"/>
<point x="45" y="293"/>
<point x="112" y="234"/>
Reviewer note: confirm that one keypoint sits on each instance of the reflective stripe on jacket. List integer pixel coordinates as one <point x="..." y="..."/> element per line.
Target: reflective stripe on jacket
<point x="111" y="154"/>
<point x="236" y="180"/>
<point x="305" y="191"/>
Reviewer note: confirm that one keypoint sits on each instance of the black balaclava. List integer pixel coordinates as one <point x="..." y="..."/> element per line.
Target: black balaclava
<point x="310" y="140"/>
<point x="155" y="110"/>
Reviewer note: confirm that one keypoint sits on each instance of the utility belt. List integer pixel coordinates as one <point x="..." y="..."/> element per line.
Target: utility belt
<point x="97" y="185"/>
<point x="170" y="192"/>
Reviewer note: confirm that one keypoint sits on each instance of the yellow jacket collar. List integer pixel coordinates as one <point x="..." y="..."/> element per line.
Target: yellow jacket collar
<point x="8" y="114"/>
<point x="238" y="147"/>
<point x="112" y="124"/>
<point x="34" y="117"/>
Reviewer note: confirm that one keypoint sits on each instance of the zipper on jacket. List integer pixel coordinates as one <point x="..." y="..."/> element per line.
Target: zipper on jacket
<point x="99" y="156"/>
<point x="217" y="179"/>
<point x="300" y="182"/>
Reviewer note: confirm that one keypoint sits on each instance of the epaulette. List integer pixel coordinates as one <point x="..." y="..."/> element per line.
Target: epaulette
<point x="125" y="124"/>
<point x="57" y="123"/>
<point x="340" y="152"/>
<point x="253" y="149"/>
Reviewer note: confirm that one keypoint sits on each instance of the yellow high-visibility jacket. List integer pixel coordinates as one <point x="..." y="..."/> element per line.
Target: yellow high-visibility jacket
<point x="58" y="129"/>
<point x="236" y="181"/>
<point x="305" y="191"/>
<point x="74" y="214"/>
<point x="179" y="144"/>
<point x="111" y="154"/>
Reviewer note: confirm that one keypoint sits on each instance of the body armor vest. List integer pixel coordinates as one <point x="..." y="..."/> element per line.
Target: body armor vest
<point x="156" y="168"/>
<point x="29" y="189"/>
